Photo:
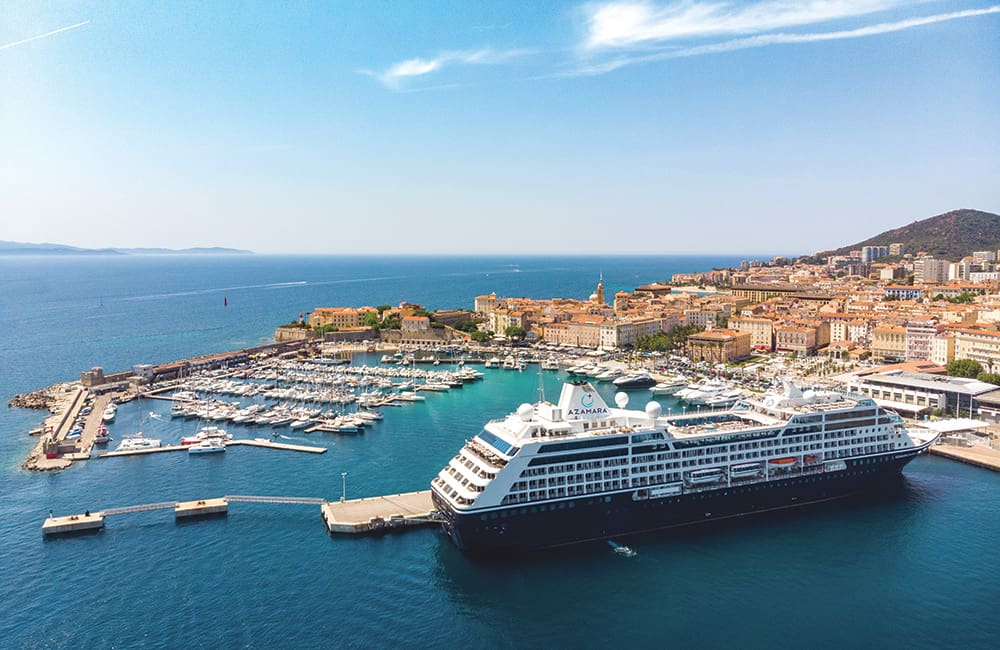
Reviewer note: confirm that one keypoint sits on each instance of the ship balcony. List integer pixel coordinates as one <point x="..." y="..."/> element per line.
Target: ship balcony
<point x="485" y="455"/>
<point x="479" y="479"/>
<point x="469" y="493"/>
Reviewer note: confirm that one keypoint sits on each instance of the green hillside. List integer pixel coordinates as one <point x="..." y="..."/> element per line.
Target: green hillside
<point x="951" y="235"/>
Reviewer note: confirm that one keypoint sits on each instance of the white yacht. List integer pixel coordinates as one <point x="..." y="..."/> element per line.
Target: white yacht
<point x="137" y="441"/>
<point x="207" y="446"/>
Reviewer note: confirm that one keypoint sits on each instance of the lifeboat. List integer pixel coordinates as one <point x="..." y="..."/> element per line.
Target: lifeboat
<point x="811" y="459"/>
<point x="783" y="462"/>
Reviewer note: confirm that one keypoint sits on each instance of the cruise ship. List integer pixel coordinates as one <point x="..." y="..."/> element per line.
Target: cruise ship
<point x="556" y="474"/>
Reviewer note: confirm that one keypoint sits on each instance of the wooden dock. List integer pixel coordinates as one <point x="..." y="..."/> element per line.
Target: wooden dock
<point x="379" y="514"/>
<point x="978" y="455"/>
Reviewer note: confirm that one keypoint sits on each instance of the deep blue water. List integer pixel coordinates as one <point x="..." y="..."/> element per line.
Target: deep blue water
<point x="911" y="568"/>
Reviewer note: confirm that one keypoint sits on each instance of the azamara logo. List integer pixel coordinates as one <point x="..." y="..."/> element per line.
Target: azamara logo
<point x="592" y="411"/>
<point x="587" y="400"/>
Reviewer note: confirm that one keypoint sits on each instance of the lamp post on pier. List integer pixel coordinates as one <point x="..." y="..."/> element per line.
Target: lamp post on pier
<point x="343" y="494"/>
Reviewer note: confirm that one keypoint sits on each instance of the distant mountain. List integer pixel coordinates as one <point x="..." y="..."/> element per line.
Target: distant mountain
<point x="951" y="235"/>
<point x="21" y="248"/>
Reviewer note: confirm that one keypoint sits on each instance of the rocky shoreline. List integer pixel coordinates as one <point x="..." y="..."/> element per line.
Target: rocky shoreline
<point x="40" y="400"/>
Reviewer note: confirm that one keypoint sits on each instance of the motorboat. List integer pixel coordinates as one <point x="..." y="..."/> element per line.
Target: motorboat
<point x="102" y="437"/>
<point x="635" y="380"/>
<point x="609" y="374"/>
<point x="668" y="387"/>
<point x="109" y="413"/>
<point x="206" y="433"/>
<point x="207" y="446"/>
<point x="137" y="441"/>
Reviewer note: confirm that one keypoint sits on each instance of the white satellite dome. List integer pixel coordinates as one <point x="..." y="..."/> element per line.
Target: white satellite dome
<point x="653" y="410"/>
<point x="525" y="411"/>
<point x="621" y="399"/>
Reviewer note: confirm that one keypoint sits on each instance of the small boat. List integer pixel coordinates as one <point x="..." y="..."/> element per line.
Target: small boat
<point x="207" y="446"/>
<point x="550" y="364"/>
<point x="493" y="362"/>
<point x="667" y="387"/>
<point x="609" y="375"/>
<point x="109" y="413"/>
<point x="621" y="549"/>
<point x="634" y="381"/>
<point x="206" y="433"/>
<point x="102" y="437"/>
<point x="300" y="424"/>
<point x="811" y="459"/>
<point x="788" y="461"/>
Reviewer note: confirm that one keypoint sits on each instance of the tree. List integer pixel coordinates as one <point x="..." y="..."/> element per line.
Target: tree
<point x="370" y="319"/>
<point x="663" y="341"/>
<point x="468" y="326"/>
<point x="964" y="368"/>
<point x="963" y="298"/>
<point x="515" y="332"/>
<point x="480" y="337"/>
<point x="989" y="378"/>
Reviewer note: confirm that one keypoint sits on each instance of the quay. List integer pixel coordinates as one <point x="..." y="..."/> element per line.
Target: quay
<point x="236" y="442"/>
<point x="382" y="514"/>
<point x="978" y="455"/>
<point x="270" y="444"/>
<point x="379" y="514"/>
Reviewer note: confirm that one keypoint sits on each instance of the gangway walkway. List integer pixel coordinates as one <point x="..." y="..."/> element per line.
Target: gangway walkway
<point x="307" y="501"/>
<point x="371" y="514"/>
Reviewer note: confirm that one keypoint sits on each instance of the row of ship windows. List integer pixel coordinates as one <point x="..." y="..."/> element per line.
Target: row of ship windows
<point x="752" y="488"/>
<point x="452" y="492"/>
<point x="476" y="469"/>
<point x="464" y="480"/>
<point x="647" y="472"/>
<point x="702" y="459"/>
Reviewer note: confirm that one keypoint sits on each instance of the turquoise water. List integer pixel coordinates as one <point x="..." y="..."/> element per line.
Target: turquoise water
<point x="909" y="568"/>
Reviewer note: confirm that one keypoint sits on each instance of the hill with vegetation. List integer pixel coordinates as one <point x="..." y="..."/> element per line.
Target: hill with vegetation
<point x="951" y="235"/>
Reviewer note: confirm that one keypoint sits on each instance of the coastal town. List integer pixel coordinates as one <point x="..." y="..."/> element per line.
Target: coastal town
<point x="878" y="306"/>
<point x="919" y="335"/>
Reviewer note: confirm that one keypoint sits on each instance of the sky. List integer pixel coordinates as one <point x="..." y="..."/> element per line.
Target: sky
<point x="620" y="126"/>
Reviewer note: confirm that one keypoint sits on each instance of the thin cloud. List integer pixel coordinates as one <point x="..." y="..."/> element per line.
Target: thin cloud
<point x="41" y="36"/>
<point x="397" y="74"/>
<point x="634" y="23"/>
<point x="763" y="40"/>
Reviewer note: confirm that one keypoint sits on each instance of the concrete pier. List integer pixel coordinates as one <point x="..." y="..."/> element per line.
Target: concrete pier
<point x="202" y="508"/>
<point x="73" y="524"/>
<point x="977" y="455"/>
<point x="379" y="514"/>
<point x="270" y="444"/>
<point x="255" y="442"/>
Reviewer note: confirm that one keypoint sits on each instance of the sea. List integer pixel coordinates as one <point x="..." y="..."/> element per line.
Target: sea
<point x="911" y="567"/>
